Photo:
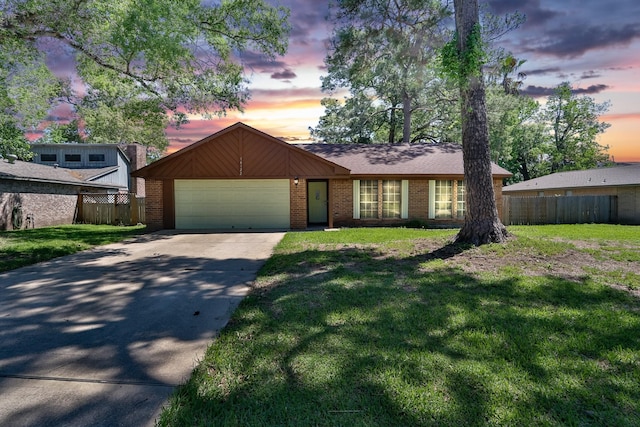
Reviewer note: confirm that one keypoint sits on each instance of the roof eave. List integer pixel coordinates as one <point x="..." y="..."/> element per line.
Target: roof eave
<point x="565" y="187"/>
<point x="61" y="182"/>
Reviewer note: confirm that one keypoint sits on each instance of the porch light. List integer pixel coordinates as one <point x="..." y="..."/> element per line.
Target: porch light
<point x="296" y="181"/>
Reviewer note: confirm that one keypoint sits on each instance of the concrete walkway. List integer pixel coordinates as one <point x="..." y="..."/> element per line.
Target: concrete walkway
<point x="102" y="337"/>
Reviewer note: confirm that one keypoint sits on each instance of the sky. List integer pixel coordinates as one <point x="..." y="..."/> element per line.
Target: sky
<point x="593" y="44"/>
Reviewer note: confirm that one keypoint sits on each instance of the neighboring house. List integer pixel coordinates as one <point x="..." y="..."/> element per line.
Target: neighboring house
<point x="34" y="195"/>
<point x="110" y="164"/>
<point x="620" y="181"/>
<point x="243" y="178"/>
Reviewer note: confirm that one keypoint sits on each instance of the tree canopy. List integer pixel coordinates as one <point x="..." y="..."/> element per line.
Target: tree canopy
<point x="65" y="133"/>
<point x="380" y="51"/>
<point x="532" y="140"/>
<point x="575" y="126"/>
<point x="141" y="64"/>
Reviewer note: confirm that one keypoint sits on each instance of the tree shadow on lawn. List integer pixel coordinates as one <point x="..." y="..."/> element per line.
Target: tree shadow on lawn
<point x="350" y="337"/>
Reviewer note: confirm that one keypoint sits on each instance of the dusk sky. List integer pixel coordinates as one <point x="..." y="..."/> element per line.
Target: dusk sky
<point x="593" y="44"/>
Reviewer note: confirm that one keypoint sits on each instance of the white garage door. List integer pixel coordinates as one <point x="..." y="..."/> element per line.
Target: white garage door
<point x="237" y="203"/>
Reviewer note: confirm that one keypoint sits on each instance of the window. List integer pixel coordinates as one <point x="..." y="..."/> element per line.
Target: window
<point x="393" y="193"/>
<point x="368" y="199"/>
<point x="461" y="205"/>
<point x="72" y="157"/>
<point x="96" y="157"/>
<point x="391" y="197"/>
<point x="48" y="158"/>
<point x="444" y="198"/>
<point x="447" y="199"/>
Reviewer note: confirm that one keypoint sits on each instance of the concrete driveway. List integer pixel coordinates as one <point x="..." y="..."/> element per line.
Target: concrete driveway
<point x="102" y="337"/>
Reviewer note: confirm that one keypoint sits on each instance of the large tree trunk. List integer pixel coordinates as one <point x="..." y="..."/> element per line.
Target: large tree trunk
<point x="524" y="169"/>
<point x="392" y="126"/>
<point x="406" y="111"/>
<point x="481" y="224"/>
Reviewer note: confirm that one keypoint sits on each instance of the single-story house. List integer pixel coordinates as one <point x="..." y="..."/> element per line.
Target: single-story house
<point x="622" y="181"/>
<point x="110" y="164"/>
<point x="241" y="178"/>
<point x="34" y="195"/>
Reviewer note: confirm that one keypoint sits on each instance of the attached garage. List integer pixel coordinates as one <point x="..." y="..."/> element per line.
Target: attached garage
<point x="232" y="203"/>
<point x="238" y="178"/>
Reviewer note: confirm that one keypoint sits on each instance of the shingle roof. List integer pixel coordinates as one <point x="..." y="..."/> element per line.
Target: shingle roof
<point x="28" y="171"/>
<point x="91" y="174"/>
<point x="600" y="177"/>
<point x="396" y="159"/>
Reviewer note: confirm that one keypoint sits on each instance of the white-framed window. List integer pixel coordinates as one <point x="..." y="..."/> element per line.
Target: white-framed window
<point x="391" y="199"/>
<point x="461" y="199"/>
<point x="446" y="199"/>
<point x="368" y="199"/>
<point x="394" y="195"/>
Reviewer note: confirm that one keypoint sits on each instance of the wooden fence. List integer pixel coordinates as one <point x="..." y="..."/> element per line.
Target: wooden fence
<point x="116" y="209"/>
<point x="559" y="210"/>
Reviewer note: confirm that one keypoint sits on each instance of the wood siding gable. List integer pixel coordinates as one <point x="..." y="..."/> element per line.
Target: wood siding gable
<point x="241" y="152"/>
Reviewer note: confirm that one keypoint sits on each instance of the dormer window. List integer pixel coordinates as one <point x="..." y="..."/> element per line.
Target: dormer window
<point x="72" y="157"/>
<point x="48" y="157"/>
<point x="96" y="157"/>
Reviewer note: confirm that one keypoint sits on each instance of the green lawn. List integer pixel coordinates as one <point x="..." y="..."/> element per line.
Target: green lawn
<point x="19" y="248"/>
<point x="393" y="327"/>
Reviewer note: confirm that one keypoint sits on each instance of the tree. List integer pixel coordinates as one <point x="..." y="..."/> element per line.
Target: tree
<point x="575" y="127"/>
<point x="355" y="121"/>
<point x="381" y="50"/>
<point x="141" y="60"/>
<point x="465" y="57"/>
<point x="518" y="136"/>
<point x="58" y="133"/>
<point x="13" y="141"/>
<point x="26" y="92"/>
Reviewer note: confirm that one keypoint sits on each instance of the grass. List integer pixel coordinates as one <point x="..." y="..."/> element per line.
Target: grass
<point x="20" y="248"/>
<point x="389" y="327"/>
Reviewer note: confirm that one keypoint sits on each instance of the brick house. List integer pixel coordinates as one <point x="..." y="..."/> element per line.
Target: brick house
<point x="34" y="195"/>
<point x="241" y="178"/>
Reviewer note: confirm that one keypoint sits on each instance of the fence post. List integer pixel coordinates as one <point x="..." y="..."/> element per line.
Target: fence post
<point x="80" y="216"/>
<point x="115" y="209"/>
<point x="133" y="203"/>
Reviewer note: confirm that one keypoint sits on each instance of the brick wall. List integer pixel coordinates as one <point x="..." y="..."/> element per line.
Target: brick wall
<point x="418" y="204"/>
<point x="45" y="204"/>
<point x="342" y="193"/>
<point x="298" y="204"/>
<point x="419" y="199"/>
<point x="154" y="211"/>
<point x="497" y="190"/>
<point x="137" y="154"/>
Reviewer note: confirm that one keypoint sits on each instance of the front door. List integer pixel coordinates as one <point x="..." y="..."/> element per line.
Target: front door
<point x="317" y="200"/>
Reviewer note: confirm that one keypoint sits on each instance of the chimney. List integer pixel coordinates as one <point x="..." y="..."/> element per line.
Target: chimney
<point x="137" y="154"/>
